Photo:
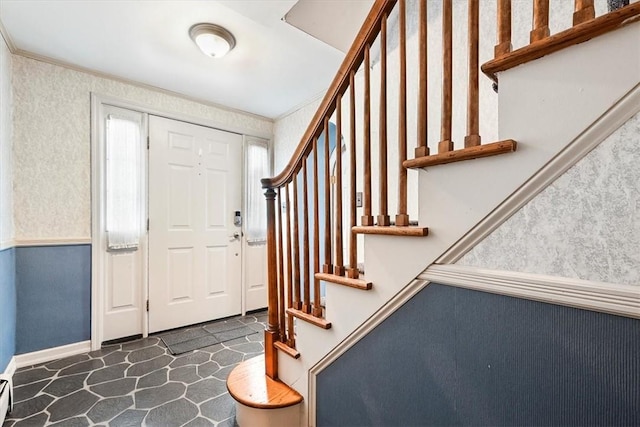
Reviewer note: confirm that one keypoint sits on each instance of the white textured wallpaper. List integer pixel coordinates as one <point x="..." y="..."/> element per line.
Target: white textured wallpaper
<point x="52" y="170"/>
<point x="287" y="132"/>
<point x="585" y="225"/>
<point x="6" y="191"/>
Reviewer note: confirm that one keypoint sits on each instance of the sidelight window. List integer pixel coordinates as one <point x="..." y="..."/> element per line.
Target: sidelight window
<point x="123" y="182"/>
<point x="257" y="167"/>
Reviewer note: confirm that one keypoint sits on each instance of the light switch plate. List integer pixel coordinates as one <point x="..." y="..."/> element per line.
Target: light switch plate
<point x="359" y="199"/>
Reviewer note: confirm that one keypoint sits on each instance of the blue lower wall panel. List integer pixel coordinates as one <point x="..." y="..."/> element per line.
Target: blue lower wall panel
<point x="456" y="357"/>
<point x="53" y="286"/>
<point x="7" y="306"/>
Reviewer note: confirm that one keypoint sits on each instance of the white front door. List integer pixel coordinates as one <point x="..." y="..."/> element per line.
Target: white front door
<point x="195" y="179"/>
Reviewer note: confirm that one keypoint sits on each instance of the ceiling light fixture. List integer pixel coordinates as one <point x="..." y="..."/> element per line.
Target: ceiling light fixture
<point x="213" y="40"/>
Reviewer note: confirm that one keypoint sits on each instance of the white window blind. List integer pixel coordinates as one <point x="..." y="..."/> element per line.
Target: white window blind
<point x="257" y="167"/>
<point x="123" y="183"/>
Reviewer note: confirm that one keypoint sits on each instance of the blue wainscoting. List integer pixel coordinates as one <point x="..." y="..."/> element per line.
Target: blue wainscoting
<point x="7" y="306"/>
<point x="452" y="356"/>
<point x="53" y="286"/>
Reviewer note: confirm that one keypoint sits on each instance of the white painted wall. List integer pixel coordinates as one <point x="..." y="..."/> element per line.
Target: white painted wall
<point x="6" y="158"/>
<point x="52" y="142"/>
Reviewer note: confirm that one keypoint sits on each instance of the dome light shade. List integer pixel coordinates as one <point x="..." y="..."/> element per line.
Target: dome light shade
<point x="213" y="40"/>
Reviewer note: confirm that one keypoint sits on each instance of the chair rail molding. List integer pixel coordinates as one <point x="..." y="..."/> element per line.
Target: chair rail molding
<point x="621" y="300"/>
<point x="71" y="241"/>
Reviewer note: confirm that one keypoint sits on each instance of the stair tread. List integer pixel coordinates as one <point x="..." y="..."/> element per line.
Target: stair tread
<point x="287" y="350"/>
<point x="299" y="314"/>
<point x="469" y="153"/>
<point x="346" y="281"/>
<point x="248" y="384"/>
<point x="392" y="230"/>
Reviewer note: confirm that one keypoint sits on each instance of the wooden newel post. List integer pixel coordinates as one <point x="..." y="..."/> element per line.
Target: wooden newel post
<point x="272" y="333"/>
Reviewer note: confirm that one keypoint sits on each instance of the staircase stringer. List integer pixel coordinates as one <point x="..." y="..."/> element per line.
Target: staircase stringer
<point x="455" y="200"/>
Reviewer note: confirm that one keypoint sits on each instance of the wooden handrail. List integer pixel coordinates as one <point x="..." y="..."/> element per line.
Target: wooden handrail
<point x="296" y="291"/>
<point x="366" y="36"/>
<point x="577" y="34"/>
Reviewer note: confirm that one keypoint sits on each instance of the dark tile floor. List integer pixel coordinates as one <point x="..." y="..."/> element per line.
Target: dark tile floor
<point x="135" y="383"/>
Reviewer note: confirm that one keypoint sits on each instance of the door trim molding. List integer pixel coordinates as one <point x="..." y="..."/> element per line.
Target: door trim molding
<point x="98" y="258"/>
<point x="199" y="121"/>
<point x="97" y="285"/>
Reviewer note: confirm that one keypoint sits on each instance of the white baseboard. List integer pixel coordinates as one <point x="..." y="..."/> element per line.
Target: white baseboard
<point x="50" y="354"/>
<point x="621" y="300"/>
<point x="11" y="367"/>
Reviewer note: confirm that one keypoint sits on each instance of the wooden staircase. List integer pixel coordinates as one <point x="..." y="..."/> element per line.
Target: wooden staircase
<point x="306" y="237"/>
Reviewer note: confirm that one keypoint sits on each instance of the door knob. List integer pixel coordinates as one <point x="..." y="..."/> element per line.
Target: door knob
<point x="235" y="236"/>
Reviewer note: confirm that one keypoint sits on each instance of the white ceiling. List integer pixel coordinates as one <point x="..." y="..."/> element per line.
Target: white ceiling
<point x="273" y="68"/>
